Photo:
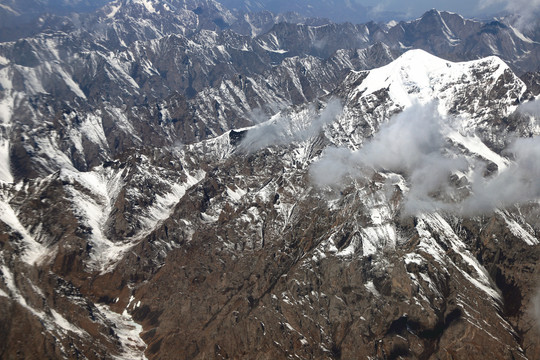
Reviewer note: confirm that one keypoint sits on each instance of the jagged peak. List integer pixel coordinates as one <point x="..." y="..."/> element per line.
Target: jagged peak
<point x="437" y="13"/>
<point x="160" y="6"/>
<point x="432" y="12"/>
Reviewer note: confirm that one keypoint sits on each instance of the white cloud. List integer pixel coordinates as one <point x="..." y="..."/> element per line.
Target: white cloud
<point x="526" y="12"/>
<point x="412" y="143"/>
<point x="281" y="130"/>
<point x="531" y="108"/>
<point x="519" y="183"/>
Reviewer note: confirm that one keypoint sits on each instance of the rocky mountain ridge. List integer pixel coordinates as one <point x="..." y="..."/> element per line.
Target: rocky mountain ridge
<point x="177" y="64"/>
<point x="251" y="205"/>
<point x="191" y="192"/>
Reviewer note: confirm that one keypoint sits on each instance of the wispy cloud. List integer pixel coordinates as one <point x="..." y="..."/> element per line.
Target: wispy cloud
<point x="531" y="108"/>
<point x="526" y="11"/>
<point x="413" y="144"/>
<point x="519" y="183"/>
<point x="398" y="10"/>
<point x="281" y="130"/>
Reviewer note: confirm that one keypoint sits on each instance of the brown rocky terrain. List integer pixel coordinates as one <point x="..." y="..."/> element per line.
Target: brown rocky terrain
<point x="389" y="213"/>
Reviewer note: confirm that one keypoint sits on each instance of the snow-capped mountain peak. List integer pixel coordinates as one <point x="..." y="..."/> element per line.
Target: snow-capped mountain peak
<point x="420" y="77"/>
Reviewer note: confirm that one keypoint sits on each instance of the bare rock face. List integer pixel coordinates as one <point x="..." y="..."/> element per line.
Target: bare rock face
<point x="532" y="79"/>
<point x="275" y="294"/>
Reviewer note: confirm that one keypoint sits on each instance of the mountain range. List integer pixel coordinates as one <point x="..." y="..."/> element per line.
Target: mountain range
<point x="183" y="180"/>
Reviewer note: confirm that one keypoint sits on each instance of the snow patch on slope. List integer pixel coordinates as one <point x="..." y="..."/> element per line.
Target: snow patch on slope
<point x="476" y="146"/>
<point x="477" y="275"/>
<point x="94" y="194"/>
<point x="93" y="205"/>
<point x="517" y="230"/>
<point x="9" y="9"/>
<point x="53" y="322"/>
<point x="5" y="165"/>
<point x="521" y="36"/>
<point x="114" y="10"/>
<point x="164" y="204"/>
<point x="128" y="332"/>
<point x="33" y="251"/>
